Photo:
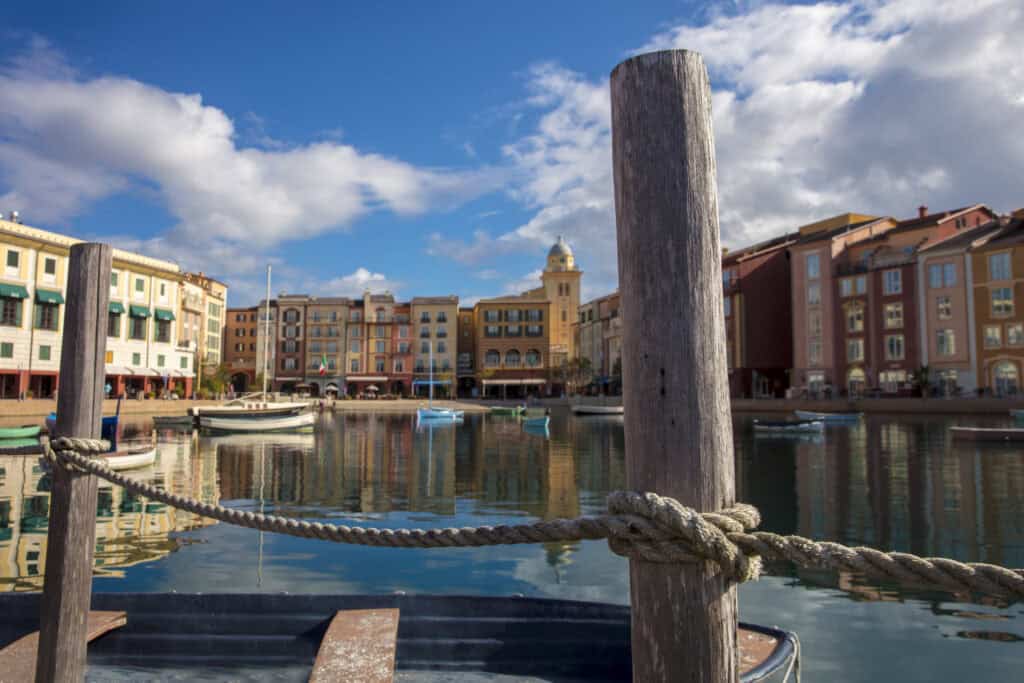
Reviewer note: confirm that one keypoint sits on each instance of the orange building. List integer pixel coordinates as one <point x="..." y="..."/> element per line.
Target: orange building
<point x="997" y="269"/>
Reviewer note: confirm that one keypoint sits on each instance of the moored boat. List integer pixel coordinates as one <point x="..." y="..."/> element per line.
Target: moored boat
<point x="536" y="418"/>
<point x="188" y="636"/>
<point x="828" y="418"/>
<point x="258" y="423"/>
<point x="440" y="414"/>
<point x="173" y="421"/>
<point x="507" y="410"/>
<point x="998" y="434"/>
<point x="587" y="409"/>
<point x="130" y="459"/>
<point x="249" y="409"/>
<point x="20" y="447"/>
<point x="23" y="432"/>
<point x="785" y="426"/>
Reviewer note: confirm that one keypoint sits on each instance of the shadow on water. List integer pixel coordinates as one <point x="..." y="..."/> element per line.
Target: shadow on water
<point x="892" y="482"/>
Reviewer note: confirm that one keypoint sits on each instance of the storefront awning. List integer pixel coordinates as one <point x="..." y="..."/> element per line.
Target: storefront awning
<point x="116" y="370"/>
<point x="366" y="378"/>
<point x="115" y="307"/>
<point x="513" y="382"/>
<point x="13" y="291"/>
<point x="428" y="382"/>
<point x="145" y="372"/>
<point x="45" y="296"/>
<point x="162" y="314"/>
<point x="138" y="311"/>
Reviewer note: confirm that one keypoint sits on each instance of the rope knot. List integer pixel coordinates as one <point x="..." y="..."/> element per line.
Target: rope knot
<point x="74" y="445"/>
<point x="659" y="529"/>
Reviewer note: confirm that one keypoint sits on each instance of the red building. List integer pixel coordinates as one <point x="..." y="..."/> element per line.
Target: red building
<point x="758" y="318"/>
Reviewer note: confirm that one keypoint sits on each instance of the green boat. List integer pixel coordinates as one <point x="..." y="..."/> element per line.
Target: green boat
<point x="23" y="432"/>
<point x="508" y="410"/>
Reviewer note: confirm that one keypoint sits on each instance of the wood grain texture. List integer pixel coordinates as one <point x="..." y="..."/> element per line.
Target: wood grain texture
<point x="359" y="646"/>
<point x="71" y="538"/>
<point x="678" y="429"/>
<point x="18" y="660"/>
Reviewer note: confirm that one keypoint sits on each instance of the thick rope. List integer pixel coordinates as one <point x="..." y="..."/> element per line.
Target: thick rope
<point x="639" y="525"/>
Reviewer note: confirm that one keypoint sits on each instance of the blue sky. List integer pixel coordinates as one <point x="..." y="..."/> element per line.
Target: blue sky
<point x="440" y="148"/>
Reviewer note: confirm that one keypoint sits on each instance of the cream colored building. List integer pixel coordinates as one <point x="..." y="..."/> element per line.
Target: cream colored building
<point x="142" y="343"/>
<point x="560" y="285"/>
<point x="435" y="324"/>
<point x="201" y="324"/>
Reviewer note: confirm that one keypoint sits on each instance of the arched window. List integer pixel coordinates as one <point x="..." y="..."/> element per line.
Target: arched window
<point x="532" y="358"/>
<point x="855" y="380"/>
<point x="512" y="359"/>
<point x="492" y="359"/>
<point x="1006" y="378"/>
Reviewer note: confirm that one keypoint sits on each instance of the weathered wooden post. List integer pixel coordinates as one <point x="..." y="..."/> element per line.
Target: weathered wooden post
<point x="678" y="425"/>
<point x="71" y="539"/>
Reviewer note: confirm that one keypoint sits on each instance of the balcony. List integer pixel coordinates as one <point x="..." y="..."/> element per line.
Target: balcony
<point x="441" y="334"/>
<point x="424" y="335"/>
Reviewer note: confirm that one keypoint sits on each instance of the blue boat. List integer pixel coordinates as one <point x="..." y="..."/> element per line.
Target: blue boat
<point x="108" y="427"/>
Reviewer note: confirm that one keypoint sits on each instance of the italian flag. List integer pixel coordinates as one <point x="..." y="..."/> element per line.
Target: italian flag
<point x="323" y="365"/>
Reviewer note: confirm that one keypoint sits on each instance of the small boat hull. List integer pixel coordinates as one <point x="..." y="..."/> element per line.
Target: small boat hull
<point x="583" y="409"/>
<point x="282" y="423"/>
<point x="23" y="432"/>
<point x="173" y="421"/>
<point x="181" y="636"/>
<point x="537" y="422"/>
<point x="249" y="410"/>
<point x="108" y="427"/>
<point x="802" y="427"/>
<point x="507" y="410"/>
<point x="997" y="434"/>
<point x="439" y="414"/>
<point x="129" y="459"/>
<point x="828" y="418"/>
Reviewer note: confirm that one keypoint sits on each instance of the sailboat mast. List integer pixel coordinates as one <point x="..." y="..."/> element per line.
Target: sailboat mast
<point x="430" y="382"/>
<point x="266" y="335"/>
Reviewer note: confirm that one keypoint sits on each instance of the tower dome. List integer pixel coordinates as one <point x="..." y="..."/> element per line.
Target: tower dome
<point x="560" y="256"/>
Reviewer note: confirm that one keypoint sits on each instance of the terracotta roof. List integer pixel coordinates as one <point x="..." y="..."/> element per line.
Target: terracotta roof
<point x="829" y="234"/>
<point x="767" y="245"/>
<point x="966" y="238"/>
<point x="919" y="222"/>
<point x="1009" y="233"/>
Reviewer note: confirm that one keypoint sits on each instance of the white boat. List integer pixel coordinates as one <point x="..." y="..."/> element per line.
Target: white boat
<point x="430" y="412"/>
<point x="828" y="417"/>
<point x="240" y="408"/>
<point x="791" y="426"/>
<point x="273" y="423"/>
<point x="587" y="409"/>
<point x="130" y="459"/>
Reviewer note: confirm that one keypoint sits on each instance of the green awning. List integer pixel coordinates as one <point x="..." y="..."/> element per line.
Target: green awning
<point x="163" y="314"/>
<point x="45" y="296"/>
<point x="115" y="307"/>
<point x="138" y="311"/>
<point x="13" y="291"/>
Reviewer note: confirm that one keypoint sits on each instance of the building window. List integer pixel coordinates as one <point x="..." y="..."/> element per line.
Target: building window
<point x="140" y="286"/>
<point x="160" y="360"/>
<point x="403" y="332"/>
<point x="13" y="261"/>
<point x="6" y="350"/>
<point x="890" y="380"/>
<point x="424" y="332"/>
<point x="945" y="342"/>
<point x="512" y="359"/>
<point x="136" y="327"/>
<point x="380" y="331"/>
<point x="425" y="347"/>
<point x="379" y="347"/>
<point x="355" y="332"/>
<point x="813" y="267"/>
<point x="399" y="365"/>
<point x="380" y="365"/>
<point x="10" y="311"/>
<point x="1002" y="301"/>
<point x="532" y="358"/>
<point x="290" y="346"/>
<point x="291" y="316"/>
<point x="894" y="316"/>
<point x="441" y="332"/>
<point x="513" y="330"/>
<point x="356" y="316"/>
<point x="935" y="276"/>
<point x="512" y="315"/>
<point x="492" y="331"/>
<point x="50" y="268"/>
<point x="814" y="352"/>
<point x="814" y="323"/>
<point x="945" y="306"/>
<point x="949" y="274"/>
<point x="1006" y="378"/>
<point x="289" y="363"/>
<point x="163" y="331"/>
<point x="862" y="284"/>
<point x="314" y="348"/>
<point x="183" y="363"/>
<point x="1015" y="334"/>
<point x="213" y="310"/>
<point x="999" y="266"/>
<point x="353" y="366"/>
<point x="993" y="337"/>
<point x="854" y="350"/>
<point x="855" y="319"/>
<point x="46" y="316"/>
<point x="490" y="316"/>
<point x="332" y="347"/>
<point x="442" y="347"/>
<point x="564" y="316"/>
<point x="441" y="317"/>
<point x="403" y="347"/>
<point x="534" y="315"/>
<point x="813" y="293"/>
<point x="892" y="282"/>
<point x="728" y="306"/>
<point x="894" y="347"/>
<point x="492" y="359"/>
<point x="846" y="287"/>
<point x="534" y="330"/>
<point x="44" y="353"/>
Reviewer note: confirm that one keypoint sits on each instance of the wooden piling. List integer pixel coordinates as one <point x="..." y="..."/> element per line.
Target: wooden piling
<point x="71" y="539"/>
<point x="678" y="427"/>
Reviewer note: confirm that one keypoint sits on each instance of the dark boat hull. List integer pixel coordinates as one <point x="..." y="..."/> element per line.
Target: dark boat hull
<point x="555" y="639"/>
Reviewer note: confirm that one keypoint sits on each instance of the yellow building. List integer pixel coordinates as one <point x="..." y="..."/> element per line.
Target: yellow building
<point x="560" y="285"/>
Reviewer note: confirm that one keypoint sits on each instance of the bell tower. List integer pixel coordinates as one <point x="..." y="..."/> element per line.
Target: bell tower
<point x="561" y="281"/>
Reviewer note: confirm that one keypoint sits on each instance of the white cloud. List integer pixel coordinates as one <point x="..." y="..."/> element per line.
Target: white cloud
<point x="529" y="281"/>
<point x="357" y="282"/>
<point x="487" y="274"/>
<point x="874" y="106"/>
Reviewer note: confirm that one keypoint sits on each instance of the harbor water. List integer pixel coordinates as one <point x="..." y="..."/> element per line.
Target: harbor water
<point x="891" y="482"/>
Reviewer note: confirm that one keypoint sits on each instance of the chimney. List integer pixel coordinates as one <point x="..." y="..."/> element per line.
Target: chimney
<point x="922" y="211"/>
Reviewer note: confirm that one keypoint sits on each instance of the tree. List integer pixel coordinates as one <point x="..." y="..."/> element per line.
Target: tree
<point x="576" y="373"/>
<point x="217" y="381"/>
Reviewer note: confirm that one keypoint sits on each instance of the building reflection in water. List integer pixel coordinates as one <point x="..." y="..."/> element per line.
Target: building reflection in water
<point x="891" y="483"/>
<point x="129" y="529"/>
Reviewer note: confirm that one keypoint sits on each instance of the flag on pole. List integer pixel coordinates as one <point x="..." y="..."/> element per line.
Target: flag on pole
<point x="323" y="365"/>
